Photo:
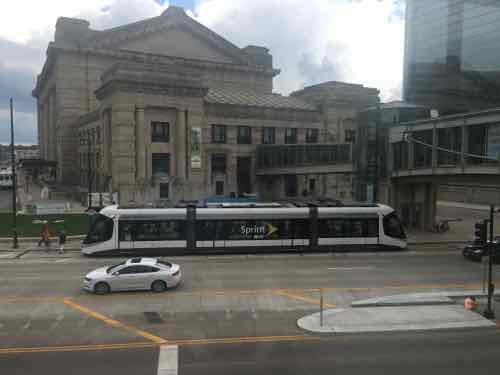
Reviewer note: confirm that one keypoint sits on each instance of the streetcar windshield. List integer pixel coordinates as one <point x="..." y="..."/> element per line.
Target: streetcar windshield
<point x="393" y="227"/>
<point x="101" y="229"/>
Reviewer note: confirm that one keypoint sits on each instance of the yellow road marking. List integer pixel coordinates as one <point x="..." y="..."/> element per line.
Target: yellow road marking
<point x="132" y="345"/>
<point x="74" y="348"/>
<point x="113" y="322"/>
<point x="302" y="298"/>
<point x="239" y="340"/>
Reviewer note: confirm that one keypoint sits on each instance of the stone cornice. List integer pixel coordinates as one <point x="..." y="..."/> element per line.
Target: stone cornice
<point x="170" y="80"/>
<point x="141" y="57"/>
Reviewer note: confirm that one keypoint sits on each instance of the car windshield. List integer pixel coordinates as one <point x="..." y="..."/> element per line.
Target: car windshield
<point x="115" y="267"/>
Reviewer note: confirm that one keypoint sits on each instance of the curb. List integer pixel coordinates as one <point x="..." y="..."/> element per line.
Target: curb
<point x="24" y="239"/>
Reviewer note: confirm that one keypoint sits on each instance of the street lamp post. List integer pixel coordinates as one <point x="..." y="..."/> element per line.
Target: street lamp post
<point x="489" y="313"/>
<point x="15" y="244"/>
<point x="89" y="174"/>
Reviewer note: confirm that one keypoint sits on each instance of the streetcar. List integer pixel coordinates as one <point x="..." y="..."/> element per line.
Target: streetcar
<point x="194" y="230"/>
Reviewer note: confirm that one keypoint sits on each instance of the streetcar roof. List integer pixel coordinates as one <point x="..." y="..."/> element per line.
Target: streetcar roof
<point x="243" y="212"/>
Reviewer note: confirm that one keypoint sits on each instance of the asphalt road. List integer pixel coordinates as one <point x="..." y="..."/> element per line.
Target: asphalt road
<point x="232" y="314"/>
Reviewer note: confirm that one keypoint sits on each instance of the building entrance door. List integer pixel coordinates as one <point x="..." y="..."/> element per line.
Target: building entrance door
<point x="243" y="170"/>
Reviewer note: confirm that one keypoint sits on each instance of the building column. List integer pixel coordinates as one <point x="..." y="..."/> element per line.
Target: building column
<point x="434" y="155"/>
<point x="180" y="146"/>
<point x="410" y="155"/>
<point x="430" y="206"/>
<point x="140" y="144"/>
<point x="464" y="146"/>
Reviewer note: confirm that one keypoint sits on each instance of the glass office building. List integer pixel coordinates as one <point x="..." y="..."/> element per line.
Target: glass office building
<point x="452" y="54"/>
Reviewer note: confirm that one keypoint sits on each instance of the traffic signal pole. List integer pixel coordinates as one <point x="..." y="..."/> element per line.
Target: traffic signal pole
<point x="489" y="313"/>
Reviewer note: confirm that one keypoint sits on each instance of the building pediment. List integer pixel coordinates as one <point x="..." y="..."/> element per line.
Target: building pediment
<point x="172" y="34"/>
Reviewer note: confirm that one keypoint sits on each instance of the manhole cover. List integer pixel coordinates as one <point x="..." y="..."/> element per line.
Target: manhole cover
<point x="153" y="317"/>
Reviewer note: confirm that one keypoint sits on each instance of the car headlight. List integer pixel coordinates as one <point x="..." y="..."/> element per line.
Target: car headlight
<point x="87" y="279"/>
<point x="478" y="251"/>
<point x="176" y="273"/>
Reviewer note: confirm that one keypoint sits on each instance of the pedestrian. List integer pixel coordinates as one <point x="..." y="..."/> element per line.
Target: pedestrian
<point x="470" y="303"/>
<point x="45" y="237"/>
<point x="62" y="241"/>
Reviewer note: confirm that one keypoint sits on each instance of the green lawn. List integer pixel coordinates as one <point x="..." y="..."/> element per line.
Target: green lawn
<point x="31" y="225"/>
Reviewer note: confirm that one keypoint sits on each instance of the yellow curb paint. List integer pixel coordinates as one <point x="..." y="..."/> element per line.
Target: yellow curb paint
<point x="302" y="298"/>
<point x="113" y="322"/>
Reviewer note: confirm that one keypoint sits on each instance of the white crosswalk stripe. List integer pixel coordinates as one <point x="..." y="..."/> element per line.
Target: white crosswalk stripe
<point x="168" y="360"/>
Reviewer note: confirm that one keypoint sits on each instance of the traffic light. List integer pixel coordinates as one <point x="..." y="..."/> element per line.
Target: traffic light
<point x="481" y="231"/>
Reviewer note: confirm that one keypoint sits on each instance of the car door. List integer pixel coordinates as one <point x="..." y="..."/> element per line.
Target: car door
<point x="127" y="278"/>
<point x="146" y="276"/>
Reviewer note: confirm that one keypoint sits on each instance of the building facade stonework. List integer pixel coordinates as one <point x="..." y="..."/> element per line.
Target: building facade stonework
<point x="166" y="110"/>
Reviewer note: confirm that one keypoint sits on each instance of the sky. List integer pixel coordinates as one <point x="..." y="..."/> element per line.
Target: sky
<point x="357" y="41"/>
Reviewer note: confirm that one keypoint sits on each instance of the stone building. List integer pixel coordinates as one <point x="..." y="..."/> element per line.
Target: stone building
<point x="165" y="109"/>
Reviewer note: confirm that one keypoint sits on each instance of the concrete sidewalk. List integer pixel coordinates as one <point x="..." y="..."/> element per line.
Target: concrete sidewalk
<point x="403" y="312"/>
<point x="387" y="319"/>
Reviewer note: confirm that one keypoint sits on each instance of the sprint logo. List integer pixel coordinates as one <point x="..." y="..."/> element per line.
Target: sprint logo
<point x="258" y="231"/>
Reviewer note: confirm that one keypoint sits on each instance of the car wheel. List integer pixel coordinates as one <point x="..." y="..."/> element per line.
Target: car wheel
<point x="159" y="286"/>
<point x="101" y="288"/>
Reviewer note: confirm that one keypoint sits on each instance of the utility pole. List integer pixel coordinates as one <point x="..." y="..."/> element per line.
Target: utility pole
<point x="15" y="244"/>
<point x="375" y="177"/>
<point x="89" y="174"/>
<point x="489" y="313"/>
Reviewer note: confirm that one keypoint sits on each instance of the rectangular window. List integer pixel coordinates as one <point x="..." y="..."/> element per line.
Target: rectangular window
<point x="312" y="135"/>
<point x="350" y="136"/>
<point x="160" y="131"/>
<point x="312" y="185"/>
<point x="160" y="164"/>
<point x="290" y="135"/>
<point x="218" y="163"/>
<point x="164" y="190"/>
<point x="218" y="134"/>
<point x="291" y="185"/>
<point x="268" y="135"/>
<point x="98" y="135"/>
<point x="219" y="188"/>
<point x="244" y="135"/>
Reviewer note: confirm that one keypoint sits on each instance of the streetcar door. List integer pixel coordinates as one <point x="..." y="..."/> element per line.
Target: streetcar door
<point x="126" y="235"/>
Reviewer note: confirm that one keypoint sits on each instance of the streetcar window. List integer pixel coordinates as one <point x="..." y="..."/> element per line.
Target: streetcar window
<point x="211" y="230"/>
<point x="393" y="227"/>
<point x="344" y="227"/>
<point x="372" y="228"/>
<point x="165" y="230"/>
<point x="101" y="229"/>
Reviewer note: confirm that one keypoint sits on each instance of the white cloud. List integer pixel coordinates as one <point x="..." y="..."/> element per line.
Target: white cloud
<point x="355" y="41"/>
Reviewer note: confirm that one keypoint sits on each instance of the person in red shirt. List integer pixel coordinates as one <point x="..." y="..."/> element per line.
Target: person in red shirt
<point x="470" y="303"/>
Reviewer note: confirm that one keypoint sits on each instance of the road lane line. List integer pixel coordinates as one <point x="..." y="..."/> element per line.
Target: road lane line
<point x="168" y="360"/>
<point x="174" y="294"/>
<point x="302" y="298"/>
<point x="113" y="322"/>
<point x="147" y="344"/>
<point x="350" y="268"/>
<point x="242" y="340"/>
<point x="30" y="299"/>
<point x="74" y="348"/>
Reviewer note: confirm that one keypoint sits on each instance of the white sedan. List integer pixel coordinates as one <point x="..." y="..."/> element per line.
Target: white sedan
<point x="134" y="274"/>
